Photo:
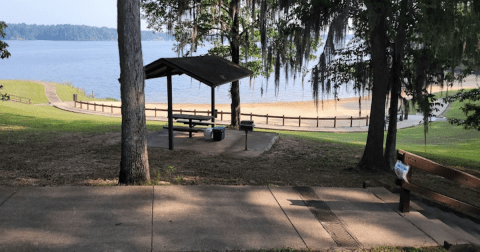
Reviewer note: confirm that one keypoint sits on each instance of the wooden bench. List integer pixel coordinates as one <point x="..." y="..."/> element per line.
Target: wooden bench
<point x="184" y="129"/>
<point x="424" y="164"/>
<point x="196" y="123"/>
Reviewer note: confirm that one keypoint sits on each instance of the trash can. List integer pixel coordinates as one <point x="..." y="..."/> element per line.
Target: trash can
<point x="218" y="133"/>
<point x="208" y="134"/>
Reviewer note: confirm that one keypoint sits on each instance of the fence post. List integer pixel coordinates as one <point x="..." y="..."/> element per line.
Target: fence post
<point x="367" y="120"/>
<point x="283" y="117"/>
<point x="299" y="121"/>
<point x="94" y="106"/>
<point x="317" y="121"/>
<point x="267" y="118"/>
<point x="194" y="111"/>
<point x="250" y="116"/>
<point x="208" y="112"/>
<point x="111" y="108"/>
<point x="335" y="122"/>
<point x="221" y="115"/>
<point x="351" y="121"/>
<point x="103" y="107"/>
<point x="155" y="111"/>
<point x="88" y="105"/>
<point x="180" y="111"/>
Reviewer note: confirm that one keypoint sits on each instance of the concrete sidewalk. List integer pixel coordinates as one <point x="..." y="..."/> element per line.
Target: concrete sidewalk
<point x="194" y="218"/>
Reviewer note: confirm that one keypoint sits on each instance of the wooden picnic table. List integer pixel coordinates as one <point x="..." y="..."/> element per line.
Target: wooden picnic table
<point x="192" y="120"/>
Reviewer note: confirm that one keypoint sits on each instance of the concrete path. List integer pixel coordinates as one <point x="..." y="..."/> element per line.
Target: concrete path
<point x="324" y="126"/>
<point x="198" y="218"/>
<point x="50" y="92"/>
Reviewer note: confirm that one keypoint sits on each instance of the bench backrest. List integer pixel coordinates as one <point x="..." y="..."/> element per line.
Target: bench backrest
<point x="437" y="169"/>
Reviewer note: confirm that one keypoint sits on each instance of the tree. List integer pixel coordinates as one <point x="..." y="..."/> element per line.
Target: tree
<point x="471" y="110"/>
<point x="134" y="167"/>
<point x="194" y="22"/>
<point x="372" y="158"/>
<point x="3" y="46"/>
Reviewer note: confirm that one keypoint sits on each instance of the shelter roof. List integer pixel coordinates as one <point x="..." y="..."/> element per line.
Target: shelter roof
<point x="210" y="70"/>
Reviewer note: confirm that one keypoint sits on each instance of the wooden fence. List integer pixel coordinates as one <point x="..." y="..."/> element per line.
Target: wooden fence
<point x="16" y="98"/>
<point x="221" y="114"/>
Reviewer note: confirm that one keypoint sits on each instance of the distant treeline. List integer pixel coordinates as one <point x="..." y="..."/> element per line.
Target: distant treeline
<point x="70" y="32"/>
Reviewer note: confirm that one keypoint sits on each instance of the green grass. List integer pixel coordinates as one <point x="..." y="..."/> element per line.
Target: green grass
<point x="455" y="110"/>
<point x="446" y="143"/>
<point x="66" y="90"/>
<point x="31" y="118"/>
<point x="34" y="91"/>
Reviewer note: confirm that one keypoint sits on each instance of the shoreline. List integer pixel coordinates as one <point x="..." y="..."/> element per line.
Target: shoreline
<point x="345" y="107"/>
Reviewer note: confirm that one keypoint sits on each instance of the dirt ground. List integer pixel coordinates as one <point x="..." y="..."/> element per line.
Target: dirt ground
<point x="94" y="159"/>
<point x="79" y="159"/>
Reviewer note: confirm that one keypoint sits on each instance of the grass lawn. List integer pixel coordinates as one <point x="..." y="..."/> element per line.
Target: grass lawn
<point x="312" y="158"/>
<point x="446" y="143"/>
<point x="66" y="90"/>
<point x="34" y="91"/>
<point x="33" y="118"/>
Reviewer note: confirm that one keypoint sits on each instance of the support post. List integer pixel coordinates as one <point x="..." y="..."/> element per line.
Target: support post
<point x="351" y="121"/>
<point x="246" y="136"/>
<point x="267" y="118"/>
<point x="170" y="118"/>
<point x="367" y="120"/>
<point x="317" y="121"/>
<point x="213" y="105"/>
<point x="299" y="121"/>
<point x="283" y="119"/>
<point x="335" y="122"/>
<point x="404" y="206"/>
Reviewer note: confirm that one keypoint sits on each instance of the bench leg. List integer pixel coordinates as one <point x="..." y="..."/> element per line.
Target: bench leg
<point x="190" y="126"/>
<point x="404" y="206"/>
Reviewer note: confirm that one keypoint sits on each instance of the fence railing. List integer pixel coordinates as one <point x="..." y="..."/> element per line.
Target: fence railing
<point x="221" y="114"/>
<point x="16" y="98"/>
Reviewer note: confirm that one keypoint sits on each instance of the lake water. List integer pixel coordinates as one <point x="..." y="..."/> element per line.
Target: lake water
<point x="94" y="66"/>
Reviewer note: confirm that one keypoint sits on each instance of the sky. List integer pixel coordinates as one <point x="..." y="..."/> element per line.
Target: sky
<point x="99" y="13"/>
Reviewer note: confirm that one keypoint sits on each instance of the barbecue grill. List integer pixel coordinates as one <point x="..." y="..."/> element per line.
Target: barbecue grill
<point x="246" y="126"/>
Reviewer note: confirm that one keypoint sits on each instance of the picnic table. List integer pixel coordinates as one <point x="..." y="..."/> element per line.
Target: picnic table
<point x="192" y="121"/>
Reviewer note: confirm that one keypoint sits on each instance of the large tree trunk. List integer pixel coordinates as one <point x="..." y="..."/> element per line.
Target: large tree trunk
<point x="134" y="166"/>
<point x="391" y="143"/>
<point x="235" y="52"/>
<point x="372" y="158"/>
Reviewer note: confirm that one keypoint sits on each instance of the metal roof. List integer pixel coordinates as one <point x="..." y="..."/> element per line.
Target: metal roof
<point x="211" y="70"/>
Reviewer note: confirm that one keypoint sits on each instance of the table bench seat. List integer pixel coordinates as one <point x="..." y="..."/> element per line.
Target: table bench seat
<point x="196" y="123"/>
<point x="184" y="129"/>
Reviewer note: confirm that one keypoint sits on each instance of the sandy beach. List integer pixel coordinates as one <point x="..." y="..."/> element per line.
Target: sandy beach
<point x="345" y="107"/>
